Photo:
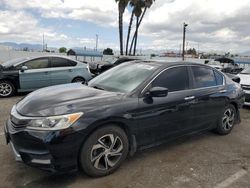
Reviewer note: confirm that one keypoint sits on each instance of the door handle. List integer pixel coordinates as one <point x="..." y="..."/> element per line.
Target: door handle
<point x="189" y="98"/>
<point x="223" y="91"/>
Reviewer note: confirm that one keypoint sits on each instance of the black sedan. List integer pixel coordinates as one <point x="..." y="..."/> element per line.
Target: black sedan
<point x="128" y="108"/>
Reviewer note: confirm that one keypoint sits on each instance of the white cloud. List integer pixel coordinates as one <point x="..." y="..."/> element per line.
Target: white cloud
<point x="214" y="24"/>
<point x="101" y="12"/>
<point x="20" y="26"/>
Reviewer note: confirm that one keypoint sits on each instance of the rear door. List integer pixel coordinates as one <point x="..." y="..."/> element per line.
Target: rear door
<point x="210" y="96"/>
<point x="37" y="75"/>
<point x="62" y="70"/>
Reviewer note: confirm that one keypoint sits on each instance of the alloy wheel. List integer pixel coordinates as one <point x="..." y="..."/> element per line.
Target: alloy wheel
<point x="107" y="152"/>
<point x="5" y="89"/>
<point x="228" y="119"/>
<point x="78" y="80"/>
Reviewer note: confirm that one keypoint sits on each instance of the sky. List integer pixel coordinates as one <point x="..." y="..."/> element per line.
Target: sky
<point x="213" y="25"/>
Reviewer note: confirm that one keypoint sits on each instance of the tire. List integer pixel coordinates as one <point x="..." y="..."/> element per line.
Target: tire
<point x="7" y="89"/>
<point x="78" y="79"/>
<point x="100" y="156"/>
<point x="227" y="120"/>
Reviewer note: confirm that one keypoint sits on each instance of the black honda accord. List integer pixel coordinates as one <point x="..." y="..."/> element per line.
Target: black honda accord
<point x="128" y="108"/>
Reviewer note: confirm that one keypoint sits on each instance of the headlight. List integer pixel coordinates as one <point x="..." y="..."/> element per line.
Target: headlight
<point x="54" y="122"/>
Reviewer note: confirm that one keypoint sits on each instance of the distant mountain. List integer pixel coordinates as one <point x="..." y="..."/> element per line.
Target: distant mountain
<point x="21" y="46"/>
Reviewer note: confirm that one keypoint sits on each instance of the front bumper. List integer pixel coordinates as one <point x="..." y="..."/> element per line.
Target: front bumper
<point x="247" y="97"/>
<point x="55" y="151"/>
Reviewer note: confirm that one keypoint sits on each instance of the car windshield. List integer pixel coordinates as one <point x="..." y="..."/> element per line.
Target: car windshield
<point x="246" y="71"/>
<point x="13" y="62"/>
<point x="123" y="78"/>
<point x="110" y="60"/>
<point x="214" y="63"/>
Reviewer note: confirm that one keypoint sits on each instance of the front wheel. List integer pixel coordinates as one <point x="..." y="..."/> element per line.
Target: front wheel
<point x="78" y="79"/>
<point x="227" y="120"/>
<point x="7" y="89"/>
<point x="104" y="151"/>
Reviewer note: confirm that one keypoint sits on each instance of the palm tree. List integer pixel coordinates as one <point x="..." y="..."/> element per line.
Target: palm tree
<point x="138" y="6"/>
<point x="129" y="31"/>
<point x="122" y="4"/>
<point x="132" y="3"/>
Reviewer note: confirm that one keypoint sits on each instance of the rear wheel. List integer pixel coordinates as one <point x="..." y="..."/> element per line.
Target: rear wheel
<point x="7" y="89"/>
<point x="78" y="79"/>
<point x="227" y="120"/>
<point x="104" y="151"/>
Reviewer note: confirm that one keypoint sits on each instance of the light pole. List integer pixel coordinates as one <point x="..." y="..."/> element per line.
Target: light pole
<point x="184" y="38"/>
<point x="96" y="42"/>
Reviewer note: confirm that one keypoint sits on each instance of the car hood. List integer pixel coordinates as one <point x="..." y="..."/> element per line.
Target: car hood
<point x="65" y="99"/>
<point x="244" y="79"/>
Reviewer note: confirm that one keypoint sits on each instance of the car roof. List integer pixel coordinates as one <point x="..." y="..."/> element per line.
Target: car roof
<point x="61" y="56"/>
<point x="17" y="61"/>
<point x="165" y="64"/>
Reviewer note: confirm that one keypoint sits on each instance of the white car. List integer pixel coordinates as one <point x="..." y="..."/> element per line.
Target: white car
<point x="245" y="84"/>
<point x="215" y="64"/>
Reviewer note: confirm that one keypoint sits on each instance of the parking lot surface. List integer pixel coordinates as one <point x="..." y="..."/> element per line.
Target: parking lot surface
<point x="205" y="160"/>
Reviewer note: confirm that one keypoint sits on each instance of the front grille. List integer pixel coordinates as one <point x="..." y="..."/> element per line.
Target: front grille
<point x="247" y="97"/>
<point x="246" y="87"/>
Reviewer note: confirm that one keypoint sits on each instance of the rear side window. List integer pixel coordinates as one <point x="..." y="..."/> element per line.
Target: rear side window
<point x="175" y="79"/>
<point x="219" y="78"/>
<point x="203" y="77"/>
<point x="61" y="62"/>
<point x="39" y="63"/>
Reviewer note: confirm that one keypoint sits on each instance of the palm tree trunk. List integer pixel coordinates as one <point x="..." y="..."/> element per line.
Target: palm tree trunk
<point x="121" y="32"/>
<point x="129" y="30"/>
<point x="136" y="34"/>
<point x="137" y="27"/>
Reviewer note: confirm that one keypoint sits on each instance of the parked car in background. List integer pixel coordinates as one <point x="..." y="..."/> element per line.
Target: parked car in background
<point x="234" y="77"/>
<point x="229" y="65"/>
<point x="101" y="66"/>
<point x="215" y="64"/>
<point x="245" y="84"/>
<point x="28" y="74"/>
<point x="130" y="107"/>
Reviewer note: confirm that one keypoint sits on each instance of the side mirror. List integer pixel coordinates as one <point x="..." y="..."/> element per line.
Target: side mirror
<point x="158" y="92"/>
<point x="24" y="68"/>
<point x="236" y="79"/>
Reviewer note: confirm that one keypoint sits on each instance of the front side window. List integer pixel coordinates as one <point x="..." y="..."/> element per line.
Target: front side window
<point x="175" y="79"/>
<point x="37" y="63"/>
<point x="203" y="77"/>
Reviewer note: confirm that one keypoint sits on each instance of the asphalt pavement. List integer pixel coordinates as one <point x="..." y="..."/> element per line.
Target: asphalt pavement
<point x="205" y="160"/>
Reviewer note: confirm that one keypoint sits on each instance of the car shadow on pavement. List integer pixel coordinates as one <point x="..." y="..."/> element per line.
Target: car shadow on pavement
<point x="246" y="107"/>
<point x="64" y="180"/>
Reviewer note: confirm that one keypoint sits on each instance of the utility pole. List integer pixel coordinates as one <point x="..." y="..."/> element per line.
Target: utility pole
<point x="43" y="42"/>
<point x="184" y="38"/>
<point x="96" y="42"/>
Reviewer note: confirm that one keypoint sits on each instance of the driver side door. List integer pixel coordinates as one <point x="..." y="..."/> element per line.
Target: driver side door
<point x="36" y="76"/>
<point x="161" y="118"/>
